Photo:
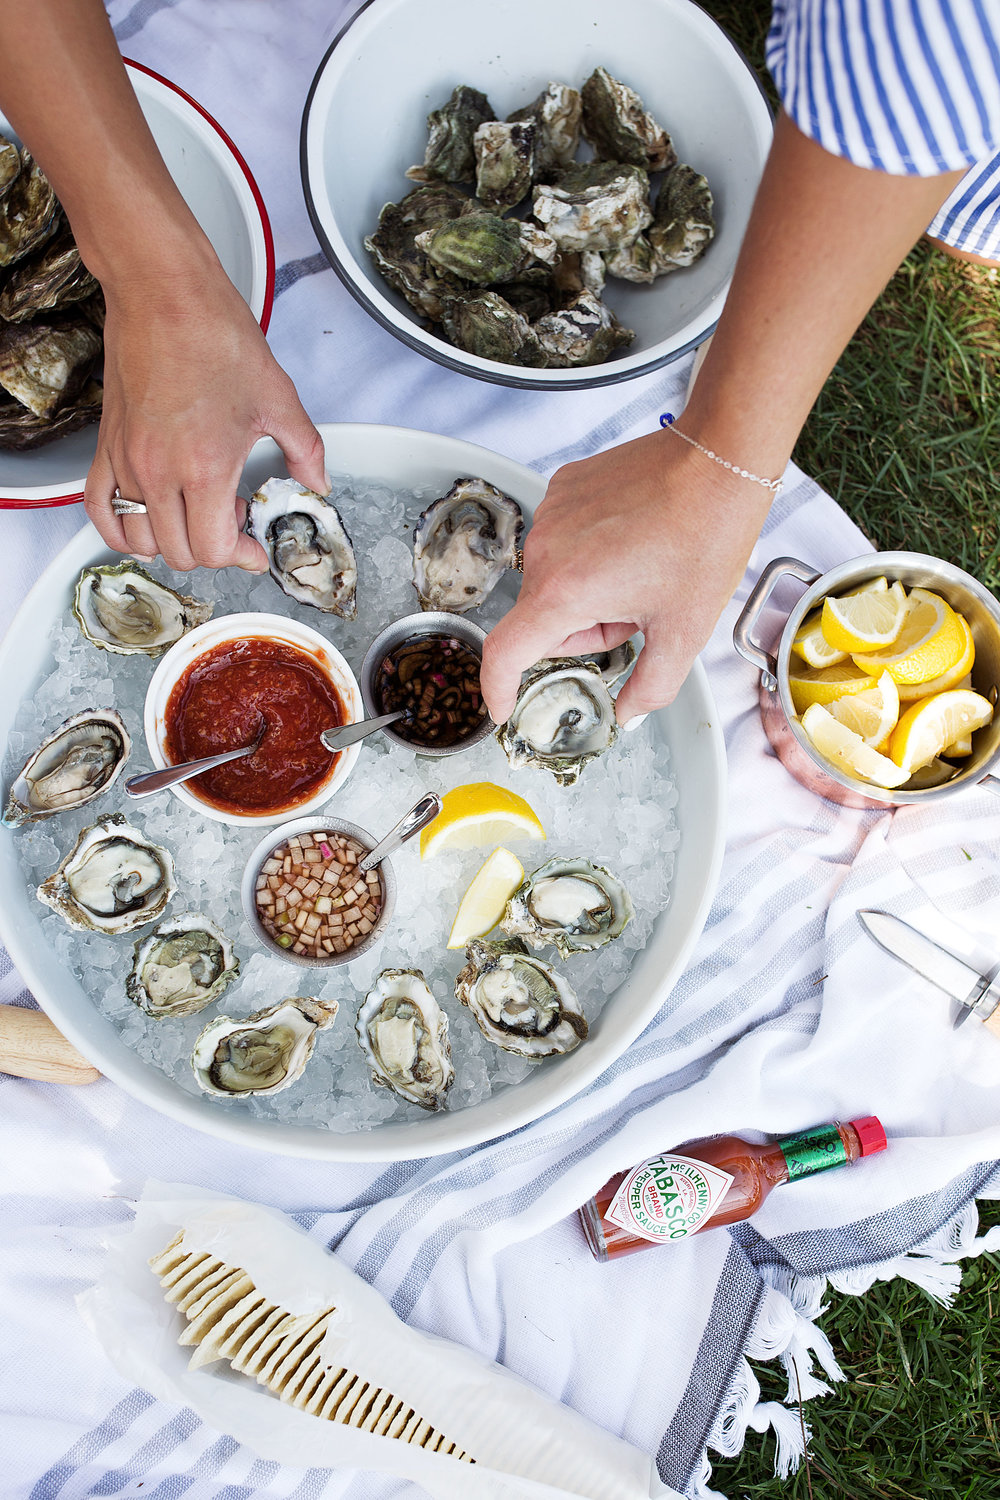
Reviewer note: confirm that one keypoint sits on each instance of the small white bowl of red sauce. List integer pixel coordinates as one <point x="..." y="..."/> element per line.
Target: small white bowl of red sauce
<point x="211" y="692"/>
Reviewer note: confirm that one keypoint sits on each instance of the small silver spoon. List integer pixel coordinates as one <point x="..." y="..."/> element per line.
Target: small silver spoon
<point x="349" y="734"/>
<point x="157" y="781"/>
<point x="419" y="815"/>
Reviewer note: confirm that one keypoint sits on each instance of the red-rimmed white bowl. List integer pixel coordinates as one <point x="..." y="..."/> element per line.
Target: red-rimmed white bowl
<point x="218" y="187"/>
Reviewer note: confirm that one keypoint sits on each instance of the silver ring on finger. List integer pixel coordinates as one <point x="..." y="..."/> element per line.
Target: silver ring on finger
<point x="123" y="507"/>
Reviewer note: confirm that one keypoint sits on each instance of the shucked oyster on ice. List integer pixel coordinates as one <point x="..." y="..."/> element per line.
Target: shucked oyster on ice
<point x="597" y="205"/>
<point x="519" y="1001"/>
<point x="262" y="1054"/>
<point x="113" y="880"/>
<point x="310" y="553"/>
<point x="182" y="966"/>
<point x="463" y="544"/>
<point x="564" y="717"/>
<point x="403" y="1033"/>
<point x="120" y="607"/>
<point x="81" y="759"/>
<point x="449" y="156"/>
<point x="571" y="904"/>
<point x="619" y="128"/>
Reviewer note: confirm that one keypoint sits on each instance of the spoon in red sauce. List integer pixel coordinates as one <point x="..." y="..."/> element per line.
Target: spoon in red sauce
<point x="157" y="781"/>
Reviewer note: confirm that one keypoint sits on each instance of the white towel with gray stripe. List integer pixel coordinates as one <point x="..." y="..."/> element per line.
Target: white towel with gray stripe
<point x="786" y="1016"/>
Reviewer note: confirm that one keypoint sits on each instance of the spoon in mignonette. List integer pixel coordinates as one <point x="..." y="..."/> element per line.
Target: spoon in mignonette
<point x="157" y="781"/>
<point x="349" y="734"/>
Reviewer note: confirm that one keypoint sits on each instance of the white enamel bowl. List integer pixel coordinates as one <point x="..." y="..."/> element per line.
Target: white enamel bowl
<point x="216" y="632"/>
<point x="402" y="459"/>
<point x="365" y="123"/>
<point x="217" y="185"/>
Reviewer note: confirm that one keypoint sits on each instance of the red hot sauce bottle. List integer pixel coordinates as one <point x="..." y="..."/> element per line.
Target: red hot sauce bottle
<point x="708" y="1183"/>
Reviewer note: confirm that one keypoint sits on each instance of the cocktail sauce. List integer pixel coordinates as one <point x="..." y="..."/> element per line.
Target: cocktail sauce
<point x="220" y="703"/>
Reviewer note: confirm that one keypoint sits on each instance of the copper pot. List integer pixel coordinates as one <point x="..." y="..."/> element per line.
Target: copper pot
<point x="781" y="724"/>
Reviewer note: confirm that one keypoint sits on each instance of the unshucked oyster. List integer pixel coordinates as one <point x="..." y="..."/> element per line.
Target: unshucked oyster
<point x="403" y="1033"/>
<point x="182" y="966"/>
<point x="597" y="205"/>
<point x="619" y="128"/>
<point x="505" y="162"/>
<point x="262" y="1054"/>
<point x="44" y="366"/>
<point x="490" y="326"/>
<point x="449" y="156"/>
<point x="569" y="903"/>
<point x="81" y="759"/>
<point x="113" y="880"/>
<point x="583" y="333"/>
<point x="683" y="220"/>
<point x="394" y="249"/>
<point x="486" y="249"/>
<point x="29" y="213"/>
<point x="310" y="553"/>
<point x="519" y="1001"/>
<point x="463" y="544"/>
<point x="556" y="114"/>
<point x="121" y="608"/>
<point x="564" y="717"/>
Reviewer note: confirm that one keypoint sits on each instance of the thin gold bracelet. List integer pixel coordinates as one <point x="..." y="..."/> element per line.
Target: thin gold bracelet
<point x="774" y="485"/>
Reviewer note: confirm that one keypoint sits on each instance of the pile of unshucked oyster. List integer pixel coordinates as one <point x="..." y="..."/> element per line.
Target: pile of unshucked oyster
<point x="118" y="878"/>
<point x="51" y="313"/>
<point x="526" y="289"/>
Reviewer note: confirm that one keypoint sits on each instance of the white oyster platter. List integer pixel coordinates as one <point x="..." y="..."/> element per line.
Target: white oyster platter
<point x="651" y="809"/>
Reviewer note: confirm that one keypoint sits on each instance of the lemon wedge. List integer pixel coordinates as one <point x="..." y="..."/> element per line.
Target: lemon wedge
<point x="812" y="645"/>
<point x="483" y="904"/>
<point x="476" y="815"/>
<point x="826" y="684"/>
<point x="847" y="751"/>
<point x="928" y="726"/>
<point x="865" y="621"/>
<point x="930" y="642"/>
<point x="873" y="714"/>
<point x="957" y="676"/>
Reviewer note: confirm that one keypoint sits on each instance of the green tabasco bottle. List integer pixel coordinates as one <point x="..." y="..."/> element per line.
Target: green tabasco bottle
<point x="707" y="1183"/>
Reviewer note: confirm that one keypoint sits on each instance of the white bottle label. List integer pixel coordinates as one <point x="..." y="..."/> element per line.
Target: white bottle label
<point x="668" y="1197"/>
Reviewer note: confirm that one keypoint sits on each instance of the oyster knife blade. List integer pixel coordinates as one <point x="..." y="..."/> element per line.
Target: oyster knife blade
<point x="927" y="958"/>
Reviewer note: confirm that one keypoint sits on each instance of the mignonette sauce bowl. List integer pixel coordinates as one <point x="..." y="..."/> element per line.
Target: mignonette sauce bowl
<point x="238" y="627"/>
<point x="219" y="189"/>
<point x="428" y="623"/>
<point x="780" y="719"/>
<point x="691" y="78"/>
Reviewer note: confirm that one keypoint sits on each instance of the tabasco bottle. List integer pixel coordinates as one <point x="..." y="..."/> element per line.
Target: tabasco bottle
<point x="711" y="1182"/>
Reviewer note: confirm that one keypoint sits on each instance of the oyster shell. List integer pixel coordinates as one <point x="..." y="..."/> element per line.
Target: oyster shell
<point x="505" y="162"/>
<point x="586" y="332"/>
<point x="403" y="1033"/>
<point x="121" y="608"/>
<point x="54" y="277"/>
<point x="619" y="128"/>
<point x="570" y="903"/>
<point x="29" y="213"/>
<point x="10" y="164"/>
<point x="182" y="966"/>
<point x="556" y="113"/>
<point x="636" y="262"/>
<point x="488" y="325"/>
<point x="113" y="880"/>
<point x="463" y="544"/>
<point x="599" y="205"/>
<point x="519" y="1001"/>
<point x="683" y="220"/>
<point x="308" y="548"/>
<point x="564" y="717"/>
<point x="485" y="249"/>
<point x="613" y="665"/>
<point x="43" y="367"/>
<point x="449" y="155"/>
<point x="71" y="767"/>
<point x="21" y="429"/>
<point x="262" y="1054"/>
<point x="579" y="271"/>
<point x="393" y="246"/>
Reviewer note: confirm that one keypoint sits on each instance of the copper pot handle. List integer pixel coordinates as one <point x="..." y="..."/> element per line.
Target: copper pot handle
<point x="748" y="648"/>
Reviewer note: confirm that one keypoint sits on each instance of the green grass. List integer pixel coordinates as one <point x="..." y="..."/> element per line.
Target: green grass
<point x="906" y="436"/>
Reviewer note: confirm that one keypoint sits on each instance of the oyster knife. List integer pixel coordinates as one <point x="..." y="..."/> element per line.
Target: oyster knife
<point x="978" y="994"/>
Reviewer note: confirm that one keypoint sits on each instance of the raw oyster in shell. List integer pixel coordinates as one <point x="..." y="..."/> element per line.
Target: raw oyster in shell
<point x="403" y="1033"/>
<point x="262" y="1054"/>
<point x="463" y="544"/>
<point x="556" y="113"/>
<point x="43" y="367"/>
<point x="571" y="904"/>
<point x="519" y="1001"/>
<point x="113" y="880"/>
<point x="121" y="608"/>
<point x="619" y="128"/>
<point x="585" y="332"/>
<point x="75" y="764"/>
<point x="449" y="154"/>
<point x="309" y="551"/>
<point x="505" y="162"/>
<point x="182" y="966"/>
<point x="683" y="220"/>
<point x="488" y="325"/>
<point x="564" y="717"/>
<point x="598" y="205"/>
<point x="486" y="249"/>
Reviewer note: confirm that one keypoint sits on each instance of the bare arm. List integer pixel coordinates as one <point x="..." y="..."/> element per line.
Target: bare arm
<point x="189" y="381"/>
<point x="654" y="536"/>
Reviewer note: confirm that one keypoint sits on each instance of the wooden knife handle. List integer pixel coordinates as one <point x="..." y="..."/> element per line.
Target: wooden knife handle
<point x="31" y="1047"/>
<point x="992" y="1023"/>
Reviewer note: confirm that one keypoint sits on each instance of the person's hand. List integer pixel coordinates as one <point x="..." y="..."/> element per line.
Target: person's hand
<point x="649" y="536"/>
<point x="189" y="386"/>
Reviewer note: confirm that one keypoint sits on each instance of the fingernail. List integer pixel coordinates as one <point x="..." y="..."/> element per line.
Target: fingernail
<point x="144" y="556"/>
<point x="634" y="722"/>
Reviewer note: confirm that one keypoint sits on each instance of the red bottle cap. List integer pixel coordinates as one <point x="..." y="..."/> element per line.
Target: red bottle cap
<point x="870" y="1134"/>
